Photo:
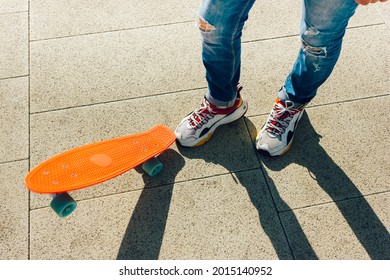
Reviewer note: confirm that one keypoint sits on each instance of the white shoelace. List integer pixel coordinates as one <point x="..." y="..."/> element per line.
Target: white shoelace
<point x="202" y="115"/>
<point x="280" y="117"/>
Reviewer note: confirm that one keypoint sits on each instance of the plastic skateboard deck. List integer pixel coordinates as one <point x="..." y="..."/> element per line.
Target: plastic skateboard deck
<point x="98" y="162"/>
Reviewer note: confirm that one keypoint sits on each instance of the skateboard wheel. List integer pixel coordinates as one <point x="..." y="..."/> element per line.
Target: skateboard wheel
<point x="153" y="167"/>
<point x="63" y="204"/>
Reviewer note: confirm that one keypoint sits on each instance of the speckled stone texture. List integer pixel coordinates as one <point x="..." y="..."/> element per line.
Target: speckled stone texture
<point x="14" y="222"/>
<point x="13" y="45"/>
<point x="76" y="72"/>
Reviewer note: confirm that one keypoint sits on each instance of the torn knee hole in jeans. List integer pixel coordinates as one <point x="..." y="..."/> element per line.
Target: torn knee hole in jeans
<point x="314" y="55"/>
<point x="314" y="51"/>
<point x="204" y="25"/>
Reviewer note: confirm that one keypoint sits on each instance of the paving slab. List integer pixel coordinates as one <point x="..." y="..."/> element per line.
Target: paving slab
<point x="350" y="229"/>
<point x="335" y="155"/>
<point x="53" y="132"/>
<point x="69" y="18"/>
<point x="14" y="119"/>
<point x="13" y="45"/>
<point x="360" y="54"/>
<point x="190" y="220"/>
<point x="262" y="78"/>
<point x="365" y="15"/>
<point x="207" y="224"/>
<point x="384" y="11"/>
<point x="105" y="67"/>
<point x="13" y="6"/>
<point x="14" y="222"/>
<point x="282" y="18"/>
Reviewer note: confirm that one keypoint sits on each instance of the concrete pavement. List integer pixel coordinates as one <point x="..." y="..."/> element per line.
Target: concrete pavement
<point x="76" y="72"/>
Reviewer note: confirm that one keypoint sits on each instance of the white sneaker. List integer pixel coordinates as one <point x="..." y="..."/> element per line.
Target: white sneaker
<point x="198" y="127"/>
<point x="278" y="132"/>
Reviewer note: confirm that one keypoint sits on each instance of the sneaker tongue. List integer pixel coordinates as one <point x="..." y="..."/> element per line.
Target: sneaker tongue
<point x="196" y="117"/>
<point x="282" y="94"/>
<point x="271" y="130"/>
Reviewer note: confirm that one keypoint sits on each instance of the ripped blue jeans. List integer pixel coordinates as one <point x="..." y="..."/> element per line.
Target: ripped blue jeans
<point x="322" y="29"/>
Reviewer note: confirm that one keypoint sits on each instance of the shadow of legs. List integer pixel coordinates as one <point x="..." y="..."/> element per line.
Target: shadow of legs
<point x="145" y="231"/>
<point x="361" y="218"/>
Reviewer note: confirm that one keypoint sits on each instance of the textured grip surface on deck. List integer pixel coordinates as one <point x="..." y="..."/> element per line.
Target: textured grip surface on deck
<point x="95" y="163"/>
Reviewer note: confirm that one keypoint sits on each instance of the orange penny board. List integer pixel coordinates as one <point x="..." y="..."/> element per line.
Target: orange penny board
<point x="95" y="163"/>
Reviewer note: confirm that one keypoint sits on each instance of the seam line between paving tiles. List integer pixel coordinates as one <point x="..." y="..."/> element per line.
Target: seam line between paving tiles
<point x="111" y="31"/>
<point x="29" y="131"/>
<point x="114" y="101"/>
<point x="333" y="201"/>
<point x="329" y="104"/>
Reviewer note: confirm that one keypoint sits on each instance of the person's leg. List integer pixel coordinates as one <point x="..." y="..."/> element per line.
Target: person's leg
<point x="220" y="23"/>
<point x="322" y="30"/>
